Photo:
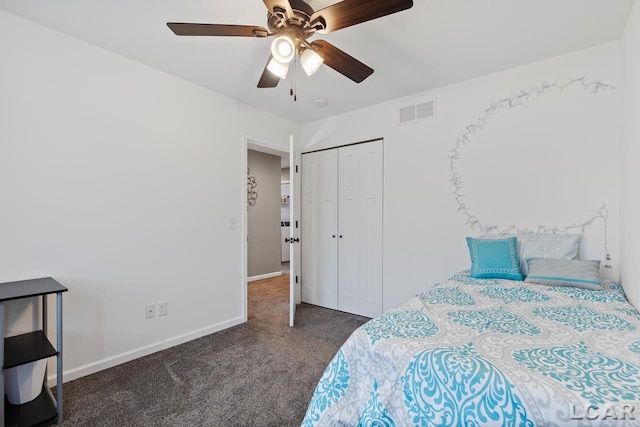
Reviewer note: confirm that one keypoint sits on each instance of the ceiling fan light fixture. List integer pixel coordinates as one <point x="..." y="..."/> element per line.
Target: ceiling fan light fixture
<point x="283" y="49"/>
<point x="310" y="61"/>
<point x="278" y="68"/>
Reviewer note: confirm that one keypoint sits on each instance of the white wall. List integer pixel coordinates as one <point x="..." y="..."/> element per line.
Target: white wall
<point x="553" y="161"/>
<point x="630" y="182"/>
<point x="118" y="180"/>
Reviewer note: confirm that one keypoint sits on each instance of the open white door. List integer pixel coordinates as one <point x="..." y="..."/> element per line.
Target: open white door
<point x="294" y="231"/>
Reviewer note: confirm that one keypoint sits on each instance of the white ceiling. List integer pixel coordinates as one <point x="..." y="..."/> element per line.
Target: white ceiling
<point x="435" y="43"/>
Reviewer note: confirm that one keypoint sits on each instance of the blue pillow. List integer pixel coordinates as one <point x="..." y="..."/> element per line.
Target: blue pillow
<point x="560" y="272"/>
<point x="494" y="258"/>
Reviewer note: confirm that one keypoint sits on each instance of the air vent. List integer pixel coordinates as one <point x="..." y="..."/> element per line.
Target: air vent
<point x="422" y="111"/>
<point x="407" y="114"/>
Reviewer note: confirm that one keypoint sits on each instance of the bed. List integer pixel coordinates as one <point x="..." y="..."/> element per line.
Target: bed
<point x="490" y="351"/>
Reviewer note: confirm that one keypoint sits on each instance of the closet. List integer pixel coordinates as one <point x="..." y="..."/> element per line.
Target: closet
<point x="341" y="228"/>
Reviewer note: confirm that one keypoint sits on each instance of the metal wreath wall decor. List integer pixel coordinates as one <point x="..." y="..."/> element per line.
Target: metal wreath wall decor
<point x="252" y="195"/>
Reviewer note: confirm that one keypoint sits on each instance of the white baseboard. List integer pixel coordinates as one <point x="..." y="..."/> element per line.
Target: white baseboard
<point x="264" y="276"/>
<point x="109" y="362"/>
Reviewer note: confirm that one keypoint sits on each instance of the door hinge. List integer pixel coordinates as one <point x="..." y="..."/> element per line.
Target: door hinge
<point x="296" y="224"/>
<point x="296" y="279"/>
<point x="296" y="168"/>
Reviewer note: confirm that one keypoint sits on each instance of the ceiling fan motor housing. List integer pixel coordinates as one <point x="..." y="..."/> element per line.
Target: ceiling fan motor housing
<point x="299" y="26"/>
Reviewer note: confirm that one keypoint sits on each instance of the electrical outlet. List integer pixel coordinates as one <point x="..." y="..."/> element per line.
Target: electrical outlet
<point x="150" y="311"/>
<point x="162" y="308"/>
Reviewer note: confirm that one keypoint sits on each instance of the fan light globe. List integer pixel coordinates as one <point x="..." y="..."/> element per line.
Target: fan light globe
<point x="278" y="68"/>
<point x="310" y="61"/>
<point x="283" y="49"/>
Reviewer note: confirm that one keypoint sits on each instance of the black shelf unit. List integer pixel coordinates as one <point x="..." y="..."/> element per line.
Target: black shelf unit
<point x="39" y="410"/>
<point x="27" y="348"/>
<point x="31" y="347"/>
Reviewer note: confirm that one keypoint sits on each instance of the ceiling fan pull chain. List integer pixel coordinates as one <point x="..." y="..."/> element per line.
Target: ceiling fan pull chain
<point x="293" y="87"/>
<point x="291" y="83"/>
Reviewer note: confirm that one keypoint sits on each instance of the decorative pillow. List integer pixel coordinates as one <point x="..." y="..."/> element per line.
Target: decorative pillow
<point x="556" y="246"/>
<point x="560" y="272"/>
<point x="494" y="258"/>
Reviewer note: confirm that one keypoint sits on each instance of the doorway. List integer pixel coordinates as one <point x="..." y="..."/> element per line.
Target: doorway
<point x="267" y="214"/>
<point x="264" y="211"/>
<point x="294" y="232"/>
<point x="260" y="196"/>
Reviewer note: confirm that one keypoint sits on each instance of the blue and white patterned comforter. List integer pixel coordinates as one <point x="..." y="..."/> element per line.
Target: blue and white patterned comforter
<point x="489" y="352"/>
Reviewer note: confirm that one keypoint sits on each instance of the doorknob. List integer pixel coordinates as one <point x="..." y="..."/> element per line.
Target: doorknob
<point x="287" y="240"/>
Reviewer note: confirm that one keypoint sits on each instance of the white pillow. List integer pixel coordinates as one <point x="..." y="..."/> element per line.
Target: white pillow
<point x="552" y="246"/>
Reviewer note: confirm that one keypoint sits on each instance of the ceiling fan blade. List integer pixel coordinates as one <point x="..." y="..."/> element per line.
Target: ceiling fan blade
<point x="268" y="79"/>
<point x="274" y="5"/>
<point x="185" y="29"/>
<point x="352" y="12"/>
<point x="342" y="62"/>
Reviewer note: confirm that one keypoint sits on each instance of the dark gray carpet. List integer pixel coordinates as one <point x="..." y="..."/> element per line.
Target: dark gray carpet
<point x="261" y="373"/>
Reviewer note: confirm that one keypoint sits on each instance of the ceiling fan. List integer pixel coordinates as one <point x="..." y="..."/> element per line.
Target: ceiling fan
<point x="291" y="23"/>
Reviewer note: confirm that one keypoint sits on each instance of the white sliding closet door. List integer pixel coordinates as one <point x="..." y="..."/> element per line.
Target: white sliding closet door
<point x="360" y="228"/>
<point x="319" y="228"/>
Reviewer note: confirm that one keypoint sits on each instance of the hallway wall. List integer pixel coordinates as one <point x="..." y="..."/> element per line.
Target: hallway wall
<point x="263" y="218"/>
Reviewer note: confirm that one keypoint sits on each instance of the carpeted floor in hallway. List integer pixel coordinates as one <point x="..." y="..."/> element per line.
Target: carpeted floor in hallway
<point x="261" y="373"/>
